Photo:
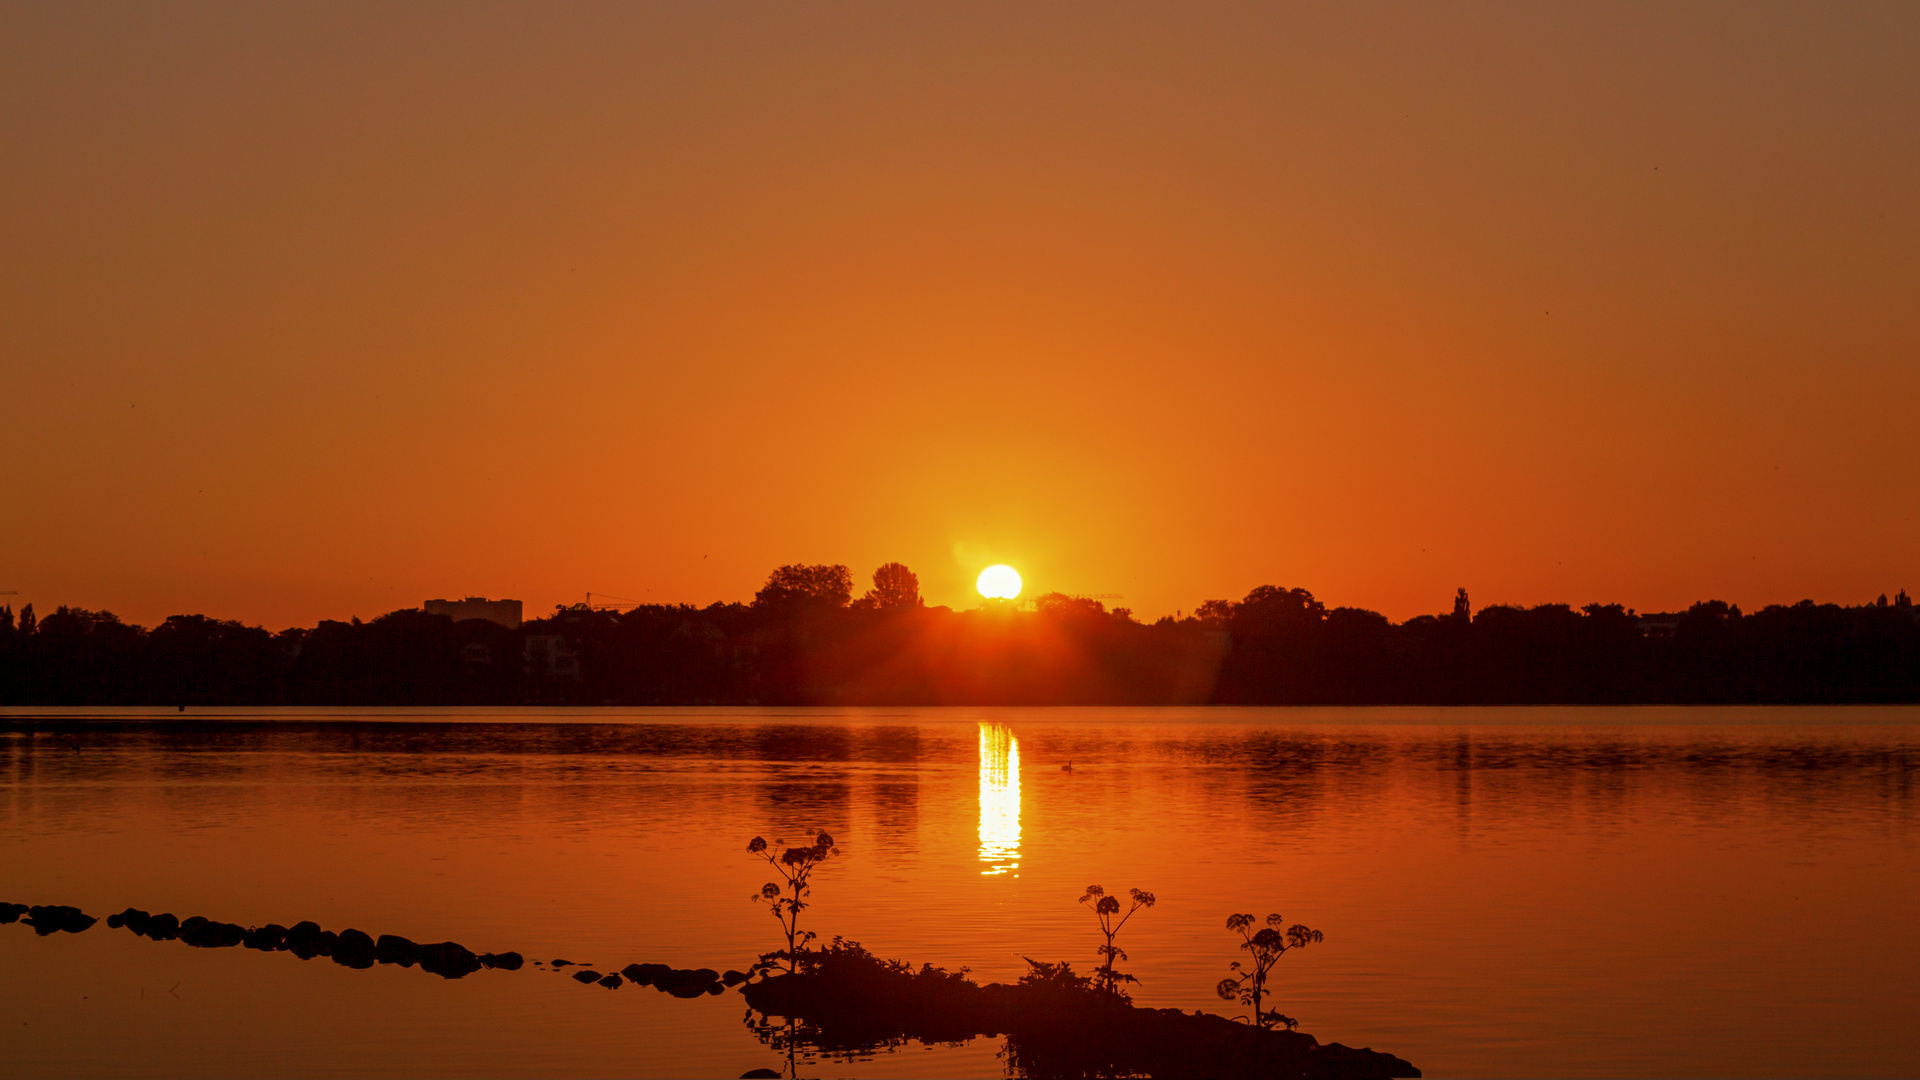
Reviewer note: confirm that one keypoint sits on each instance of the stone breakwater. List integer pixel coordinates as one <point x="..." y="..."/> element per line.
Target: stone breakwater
<point x="348" y="948"/>
<point x="47" y="918"/>
<point x="359" y="949"/>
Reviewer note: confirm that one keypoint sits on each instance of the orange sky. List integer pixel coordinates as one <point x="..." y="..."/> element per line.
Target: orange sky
<point x="318" y="311"/>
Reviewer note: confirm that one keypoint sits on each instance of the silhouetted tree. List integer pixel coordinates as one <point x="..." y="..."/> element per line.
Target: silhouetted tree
<point x="894" y="586"/>
<point x="1214" y="612"/>
<point x="1105" y="908"/>
<point x="1057" y="605"/>
<point x="1265" y="947"/>
<point x="795" y="865"/>
<point x="799" y="643"/>
<point x="809" y="586"/>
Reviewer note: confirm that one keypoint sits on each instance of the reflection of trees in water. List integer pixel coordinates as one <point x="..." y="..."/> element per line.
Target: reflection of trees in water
<point x="801" y="793"/>
<point x="894" y="744"/>
<point x="896" y="812"/>
<point x="1290" y="775"/>
<point x="1297" y="776"/>
<point x="801" y="1042"/>
<point x="793" y="796"/>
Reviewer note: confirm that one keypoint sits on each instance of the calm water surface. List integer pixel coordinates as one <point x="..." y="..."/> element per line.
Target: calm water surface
<point x="1503" y="891"/>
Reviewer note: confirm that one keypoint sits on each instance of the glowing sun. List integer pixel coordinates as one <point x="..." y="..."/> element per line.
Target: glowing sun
<point x="999" y="582"/>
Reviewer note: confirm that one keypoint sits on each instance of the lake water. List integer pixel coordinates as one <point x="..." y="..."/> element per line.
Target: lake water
<point x="1555" y="892"/>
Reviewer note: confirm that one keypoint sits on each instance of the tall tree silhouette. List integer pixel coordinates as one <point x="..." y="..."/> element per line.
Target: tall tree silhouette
<point x="799" y="585"/>
<point x="894" y="586"/>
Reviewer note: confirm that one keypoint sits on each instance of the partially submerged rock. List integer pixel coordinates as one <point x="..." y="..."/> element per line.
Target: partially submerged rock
<point x="394" y="949"/>
<point x="354" y="949"/>
<point x="58" y="918"/>
<point x="447" y="959"/>
<point x="204" y="933"/>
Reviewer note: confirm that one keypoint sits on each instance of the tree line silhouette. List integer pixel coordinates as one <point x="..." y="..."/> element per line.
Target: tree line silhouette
<point x="805" y="639"/>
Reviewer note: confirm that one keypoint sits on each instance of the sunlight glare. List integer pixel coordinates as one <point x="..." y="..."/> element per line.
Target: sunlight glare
<point x="999" y="800"/>
<point x="999" y="582"/>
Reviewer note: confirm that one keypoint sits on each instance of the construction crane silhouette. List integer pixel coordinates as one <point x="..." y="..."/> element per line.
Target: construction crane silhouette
<point x="610" y="602"/>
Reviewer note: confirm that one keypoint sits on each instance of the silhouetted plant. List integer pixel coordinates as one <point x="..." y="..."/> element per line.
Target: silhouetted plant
<point x="1105" y="908"/>
<point x="1058" y="978"/>
<point x="1267" y="946"/>
<point x="795" y="866"/>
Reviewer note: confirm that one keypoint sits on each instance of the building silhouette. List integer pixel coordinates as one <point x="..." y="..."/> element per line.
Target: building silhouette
<point x="504" y="612"/>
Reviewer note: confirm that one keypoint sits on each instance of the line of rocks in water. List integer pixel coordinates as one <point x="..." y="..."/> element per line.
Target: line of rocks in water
<point x="358" y="949"/>
<point x="679" y="982"/>
<point x="47" y="918"/>
<point x="306" y="940"/>
<point x="349" y="948"/>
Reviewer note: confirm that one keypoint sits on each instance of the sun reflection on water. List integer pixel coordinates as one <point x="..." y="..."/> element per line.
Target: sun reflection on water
<point x="999" y="800"/>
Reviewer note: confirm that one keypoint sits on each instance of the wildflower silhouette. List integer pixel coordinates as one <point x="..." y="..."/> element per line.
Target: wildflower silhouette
<point x="1105" y="908"/>
<point x="1267" y="945"/>
<point x="794" y="865"/>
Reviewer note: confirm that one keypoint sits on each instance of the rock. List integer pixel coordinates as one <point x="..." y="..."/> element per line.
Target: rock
<point x="448" y="959"/>
<point x="191" y="923"/>
<point x="163" y="927"/>
<point x="394" y="949"/>
<point x="1333" y="1061"/>
<point x="354" y="949"/>
<point x="560" y="963"/>
<point x="715" y="989"/>
<point x="305" y="939"/>
<point x="648" y="974"/>
<point x="682" y="983"/>
<point x="269" y="938"/>
<point x="12" y="912"/>
<point x="54" y="918"/>
<point x="587" y="976"/>
<point x="759" y="1074"/>
<point x="207" y="934"/>
<point x="733" y="978"/>
<point x="611" y="982"/>
<point x="507" y="961"/>
<point x="133" y="919"/>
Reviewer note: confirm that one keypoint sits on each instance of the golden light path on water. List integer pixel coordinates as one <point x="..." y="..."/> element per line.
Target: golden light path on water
<point x="999" y="800"/>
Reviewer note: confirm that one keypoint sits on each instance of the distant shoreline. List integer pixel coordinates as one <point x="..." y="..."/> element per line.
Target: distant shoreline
<point x="810" y="644"/>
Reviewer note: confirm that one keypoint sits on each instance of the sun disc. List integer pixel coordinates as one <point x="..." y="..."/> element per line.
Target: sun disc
<point x="999" y="582"/>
